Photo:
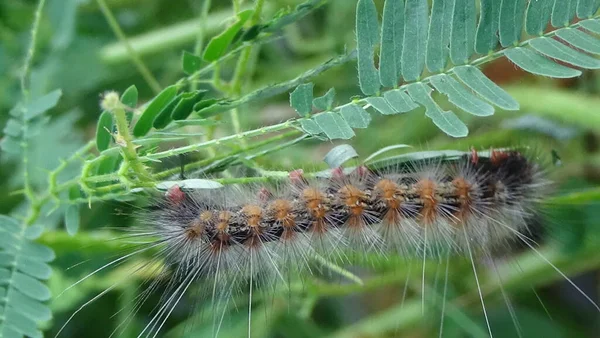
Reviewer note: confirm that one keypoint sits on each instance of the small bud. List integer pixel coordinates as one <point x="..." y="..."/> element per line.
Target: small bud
<point x="110" y="101"/>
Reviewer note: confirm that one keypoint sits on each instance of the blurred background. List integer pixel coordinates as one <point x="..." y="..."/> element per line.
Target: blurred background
<point x="79" y="52"/>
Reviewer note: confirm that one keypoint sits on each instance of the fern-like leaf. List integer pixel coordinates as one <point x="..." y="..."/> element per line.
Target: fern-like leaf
<point x="23" y="264"/>
<point x="452" y="40"/>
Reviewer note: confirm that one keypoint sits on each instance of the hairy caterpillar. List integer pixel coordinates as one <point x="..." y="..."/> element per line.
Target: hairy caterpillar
<point x="238" y="238"/>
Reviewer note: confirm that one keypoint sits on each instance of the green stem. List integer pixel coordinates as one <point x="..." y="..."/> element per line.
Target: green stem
<point x="128" y="148"/>
<point x="200" y="38"/>
<point x="137" y="61"/>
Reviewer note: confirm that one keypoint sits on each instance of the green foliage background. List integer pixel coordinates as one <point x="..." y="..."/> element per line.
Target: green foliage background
<point x="67" y="189"/>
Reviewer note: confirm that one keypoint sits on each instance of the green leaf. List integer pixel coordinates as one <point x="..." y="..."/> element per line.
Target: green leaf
<point x="42" y="104"/>
<point x="310" y="127"/>
<point x="13" y="128"/>
<point x="38" y="251"/>
<point x="334" y="126"/>
<point x="205" y="104"/>
<point x="30" y="308"/>
<point x="31" y="287"/>
<point x="486" y="39"/>
<point x="218" y="44"/>
<point x="21" y="324"/>
<point x="194" y="183"/>
<point x="511" y="22"/>
<point x="460" y="96"/>
<point x="130" y="97"/>
<point x="537" y="64"/>
<point x="355" y="116"/>
<point x="190" y="63"/>
<point x="326" y="101"/>
<point x="579" y="39"/>
<point x="439" y="35"/>
<point x="339" y="155"/>
<point x="538" y="14"/>
<point x="301" y="99"/>
<point x="415" y="39"/>
<point x="392" y="34"/>
<point x="103" y="136"/>
<point x="367" y="38"/>
<point x="486" y="88"/>
<point x="447" y="121"/>
<point x="593" y="25"/>
<point x="587" y="8"/>
<point x="463" y="31"/>
<point x="559" y="51"/>
<point x="166" y="114"/>
<point x="10" y="145"/>
<point x="563" y="12"/>
<point x="72" y="219"/>
<point x="144" y="124"/>
<point x="185" y="106"/>
<point x="381" y="105"/>
<point x="400" y="101"/>
<point x="34" y="231"/>
<point x="34" y="268"/>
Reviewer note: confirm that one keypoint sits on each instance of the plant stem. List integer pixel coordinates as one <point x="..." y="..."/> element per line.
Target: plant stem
<point x="241" y="70"/>
<point x="200" y="38"/>
<point x="135" y="58"/>
<point x="128" y="148"/>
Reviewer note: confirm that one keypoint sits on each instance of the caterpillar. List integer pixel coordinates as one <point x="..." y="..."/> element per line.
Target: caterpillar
<point x="473" y="204"/>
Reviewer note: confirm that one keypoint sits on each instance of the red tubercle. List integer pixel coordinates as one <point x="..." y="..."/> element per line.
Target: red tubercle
<point x="175" y="195"/>
<point x="297" y="177"/>
<point x="264" y="195"/>
<point x="498" y="156"/>
<point x="362" y="171"/>
<point x="337" y="173"/>
<point x="474" y="156"/>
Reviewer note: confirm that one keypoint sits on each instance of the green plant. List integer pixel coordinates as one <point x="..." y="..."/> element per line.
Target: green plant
<point x="419" y="53"/>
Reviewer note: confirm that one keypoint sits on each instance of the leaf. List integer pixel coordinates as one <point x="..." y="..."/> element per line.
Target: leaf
<point x="392" y="34"/>
<point x="195" y="183"/>
<point x="557" y="50"/>
<point x="593" y="25"/>
<point x="463" y="31"/>
<point x="326" y="101"/>
<point x="439" y="35"/>
<point x="218" y="44"/>
<point x="385" y="150"/>
<point x="130" y="97"/>
<point x="333" y="126"/>
<point x="339" y="155"/>
<point x="460" y="96"/>
<point x="144" y="124"/>
<point x="301" y="99"/>
<point x="190" y="63"/>
<point x="381" y="105"/>
<point x="103" y="136"/>
<point x="447" y="121"/>
<point x="486" y="38"/>
<point x="579" y="39"/>
<point x="166" y="114"/>
<point x="31" y="287"/>
<point x="415" y="39"/>
<point x="205" y="104"/>
<point x="587" y="8"/>
<point x="355" y="116"/>
<point x="400" y="101"/>
<point x="310" y="127"/>
<point x="537" y="64"/>
<point x="511" y="22"/>
<point x="10" y="145"/>
<point x="33" y="232"/>
<point x="486" y="88"/>
<point x="538" y="14"/>
<point x="42" y="104"/>
<point x="563" y="12"/>
<point x="33" y="268"/>
<point x="72" y="219"/>
<point x="185" y="106"/>
<point x="367" y="36"/>
<point x="13" y="128"/>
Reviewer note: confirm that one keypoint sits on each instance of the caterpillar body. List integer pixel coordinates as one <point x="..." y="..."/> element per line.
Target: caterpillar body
<point x="473" y="205"/>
